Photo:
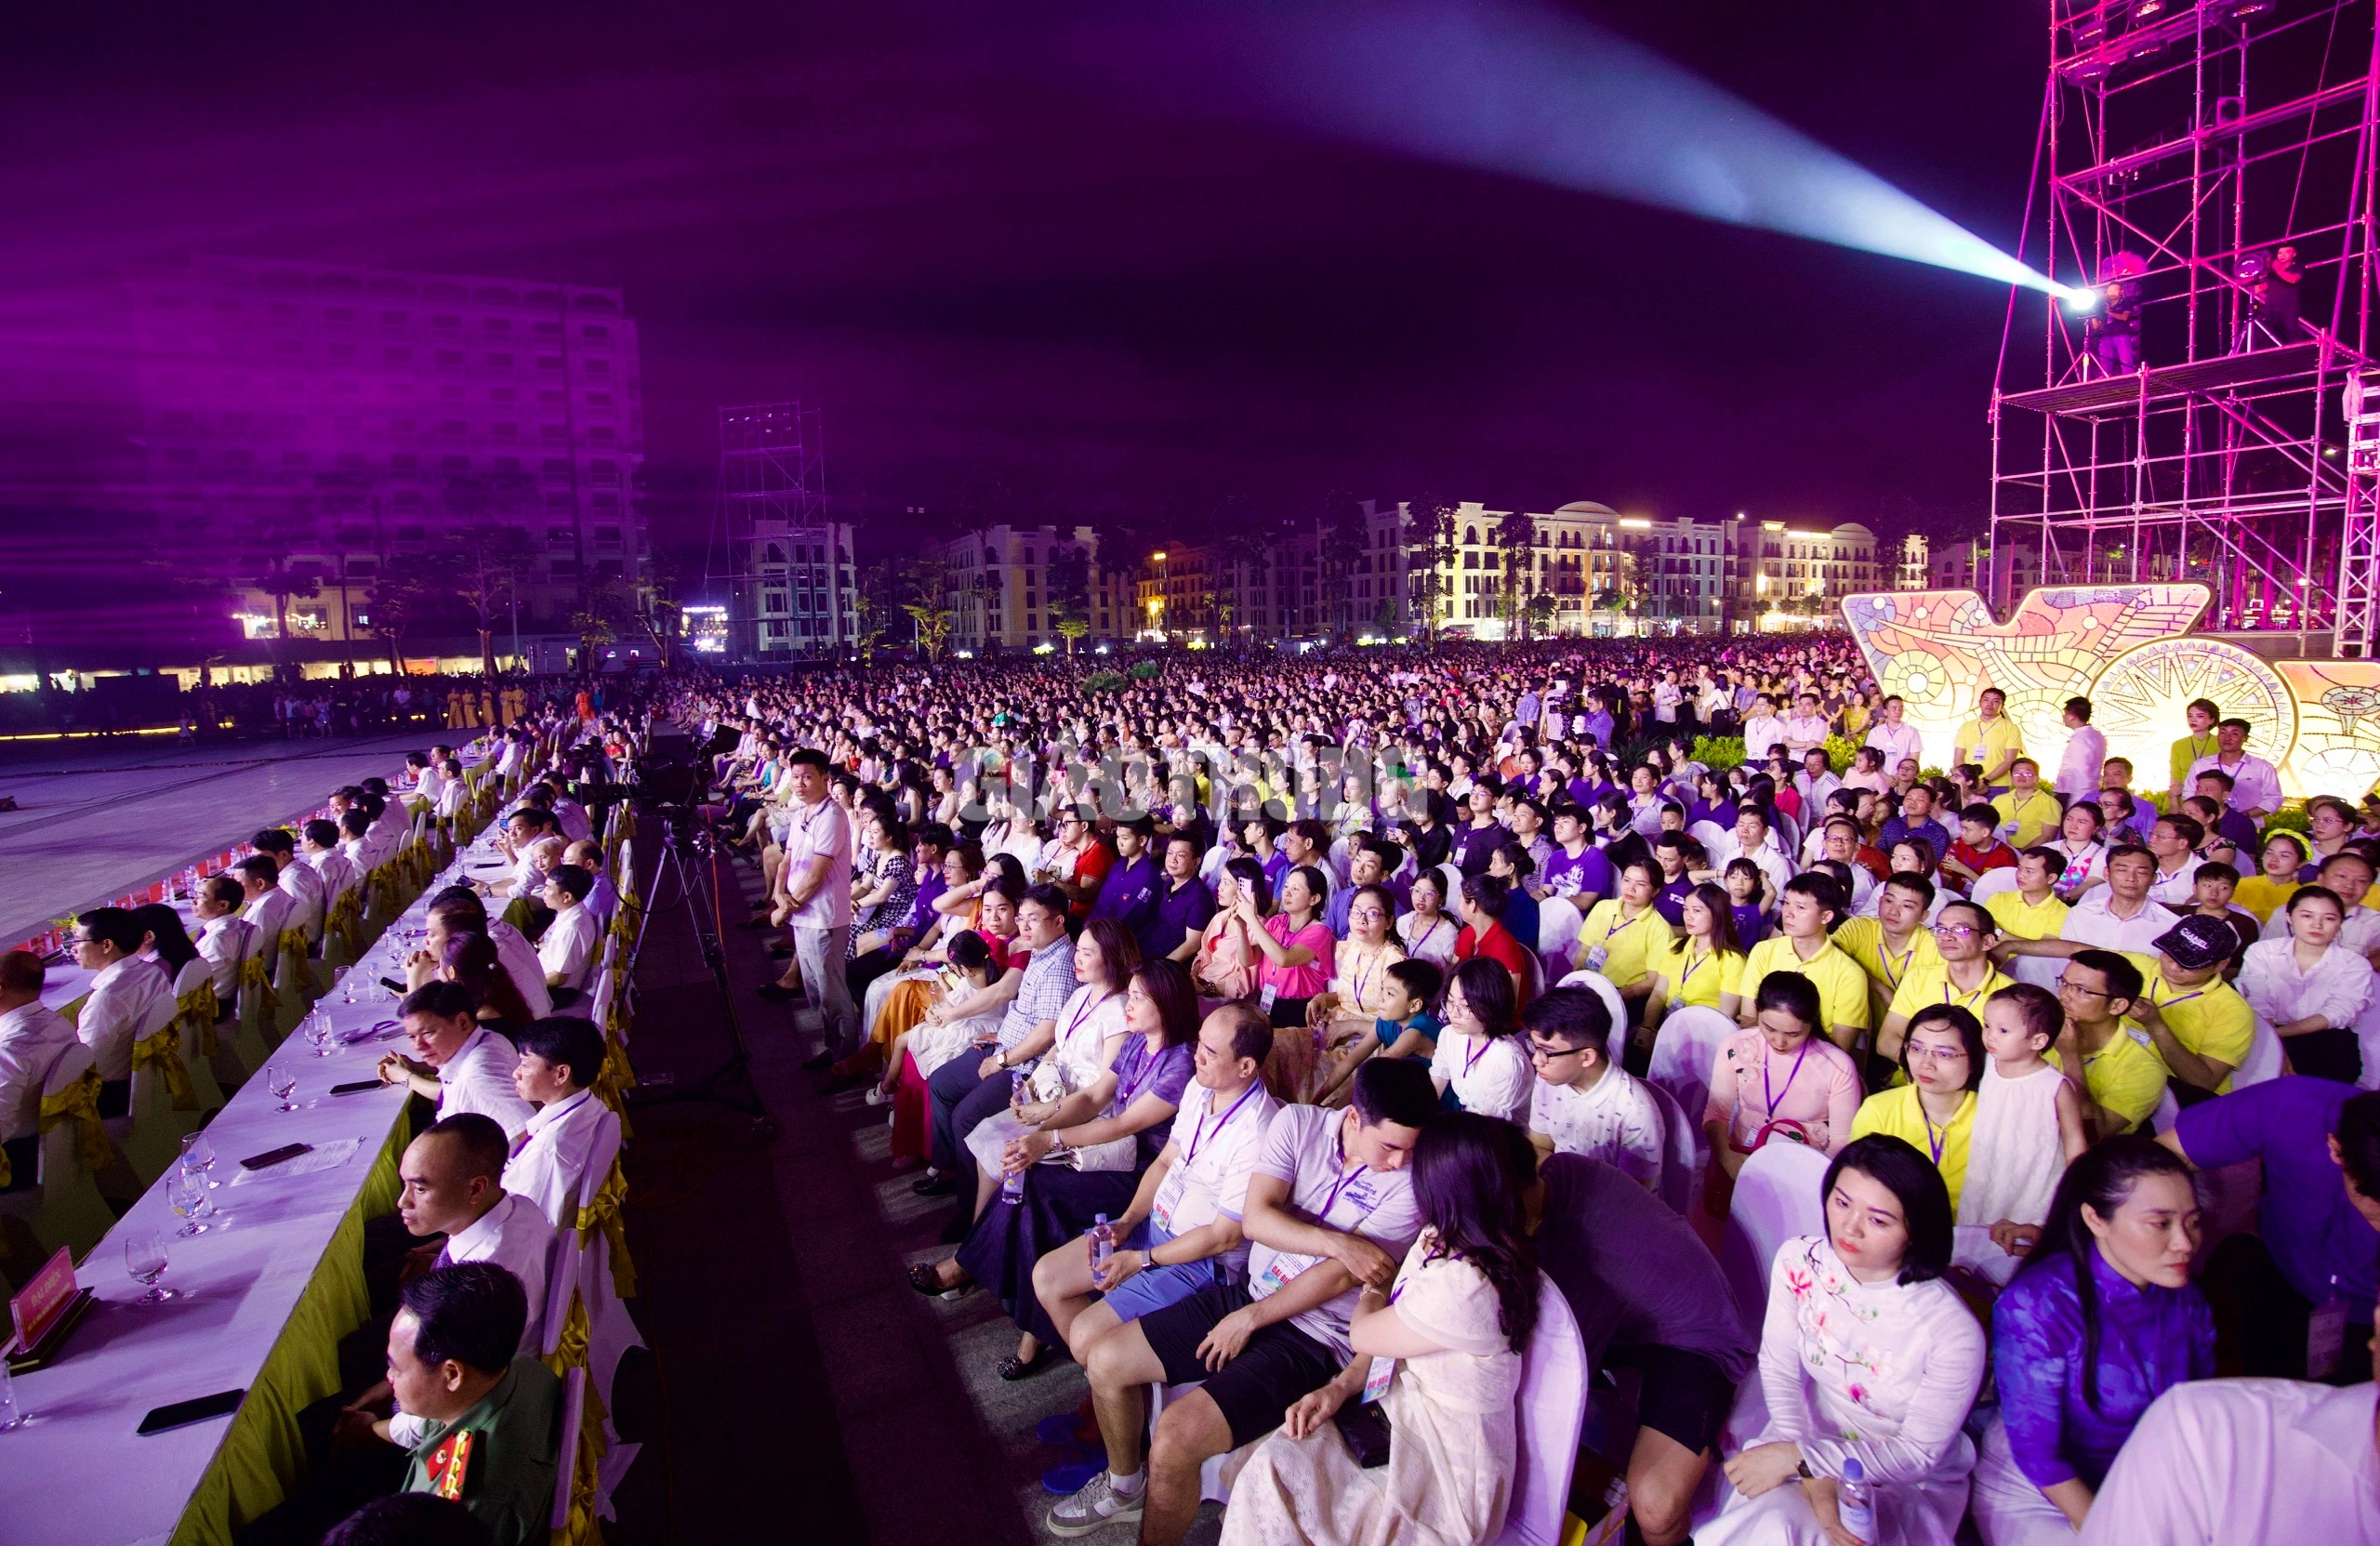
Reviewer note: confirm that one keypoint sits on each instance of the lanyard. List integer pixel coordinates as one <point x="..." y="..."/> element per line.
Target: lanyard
<point x="2164" y="1004"/>
<point x="1932" y="1142"/>
<point x="1345" y="1180"/>
<point x="1361" y="979"/>
<point x="1088" y="1008"/>
<point x="1470" y="1059"/>
<point x="1625" y="921"/>
<point x="1199" y="1133"/>
<point x="1693" y="965"/>
<point x="1891" y="978"/>
<point x="1769" y="1099"/>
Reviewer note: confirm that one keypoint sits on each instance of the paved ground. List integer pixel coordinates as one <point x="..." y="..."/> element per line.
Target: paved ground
<point x="95" y="823"/>
<point x="803" y="1380"/>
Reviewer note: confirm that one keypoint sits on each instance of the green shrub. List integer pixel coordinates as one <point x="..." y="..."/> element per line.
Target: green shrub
<point x="1146" y="670"/>
<point x="1105" y="681"/>
<point x="1719" y="752"/>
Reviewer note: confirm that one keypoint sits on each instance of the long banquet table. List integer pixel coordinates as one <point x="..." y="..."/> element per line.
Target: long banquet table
<point x="262" y="1299"/>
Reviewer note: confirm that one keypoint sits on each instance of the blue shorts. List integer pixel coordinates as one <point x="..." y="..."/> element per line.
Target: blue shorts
<point x="1155" y="1288"/>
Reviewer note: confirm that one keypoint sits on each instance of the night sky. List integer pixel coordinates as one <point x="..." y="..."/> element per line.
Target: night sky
<point x="1026" y="273"/>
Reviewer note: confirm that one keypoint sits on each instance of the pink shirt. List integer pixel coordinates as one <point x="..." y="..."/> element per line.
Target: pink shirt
<point x="1298" y="981"/>
<point x="1823" y="1096"/>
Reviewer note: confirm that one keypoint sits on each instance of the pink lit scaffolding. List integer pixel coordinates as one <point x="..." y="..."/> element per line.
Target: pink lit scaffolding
<point x="2183" y="148"/>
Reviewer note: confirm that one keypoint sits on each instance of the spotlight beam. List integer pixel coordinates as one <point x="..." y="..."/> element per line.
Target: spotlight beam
<point x="1512" y="87"/>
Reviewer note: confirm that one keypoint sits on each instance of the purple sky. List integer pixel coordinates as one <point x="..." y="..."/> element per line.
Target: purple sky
<point x="984" y="258"/>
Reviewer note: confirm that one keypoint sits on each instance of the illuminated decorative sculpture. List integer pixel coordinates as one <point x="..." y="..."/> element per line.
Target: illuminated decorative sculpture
<point x="2128" y="649"/>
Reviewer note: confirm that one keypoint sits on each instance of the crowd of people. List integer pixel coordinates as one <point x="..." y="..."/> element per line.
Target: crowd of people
<point x="1274" y="1025"/>
<point x="445" y="1423"/>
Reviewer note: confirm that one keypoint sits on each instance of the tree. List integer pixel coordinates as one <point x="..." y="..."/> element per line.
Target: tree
<point x="1342" y="532"/>
<point x="414" y="592"/>
<point x="872" y="608"/>
<point x="284" y="580"/>
<point x="924" y="580"/>
<point x="1429" y="560"/>
<point x="1242" y="557"/>
<point x="1069" y="600"/>
<point x="1517" y="539"/>
<point x="487" y="561"/>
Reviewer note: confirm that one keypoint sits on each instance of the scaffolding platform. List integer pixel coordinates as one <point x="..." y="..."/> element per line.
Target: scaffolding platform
<point x="2113" y="396"/>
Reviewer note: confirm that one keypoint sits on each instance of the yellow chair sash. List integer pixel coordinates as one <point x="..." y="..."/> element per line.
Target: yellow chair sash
<point x="615" y="1079"/>
<point x="604" y="1213"/>
<point x="199" y="1007"/>
<point x="253" y="979"/>
<point x="163" y="1052"/>
<point x="79" y="1104"/>
<point x="346" y="919"/>
<point x="293" y="943"/>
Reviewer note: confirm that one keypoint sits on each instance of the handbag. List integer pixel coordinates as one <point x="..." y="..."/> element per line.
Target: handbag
<point x="1117" y="1153"/>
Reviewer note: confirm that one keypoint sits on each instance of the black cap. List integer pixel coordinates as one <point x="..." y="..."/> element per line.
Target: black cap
<point x="2198" y="942"/>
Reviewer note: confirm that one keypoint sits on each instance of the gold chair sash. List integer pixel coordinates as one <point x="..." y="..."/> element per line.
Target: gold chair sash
<point x="198" y="1009"/>
<point x="163" y="1052"/>
<point x="79" y="1104"/>
<point x="253" y="979"/>
<point x="604" y="1213"/>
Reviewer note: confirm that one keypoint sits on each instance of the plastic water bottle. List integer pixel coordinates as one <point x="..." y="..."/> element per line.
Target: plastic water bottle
<point x="1103" y="1241"/>
<point x="1012" y="1184"/>
<point x="10" y="1414"/>
<point x="1854" y="1504"/>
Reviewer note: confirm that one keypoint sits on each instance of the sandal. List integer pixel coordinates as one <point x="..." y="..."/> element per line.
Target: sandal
<point x="926" y="1279"/>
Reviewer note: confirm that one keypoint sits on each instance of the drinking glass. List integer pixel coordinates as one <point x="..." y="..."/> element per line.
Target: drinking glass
<point x="281" y="1080"/>
<point x="200" y="1154"/>
<point x="144" y="1258"/>
<point x="188" y="1195"/>
<point x="10" y="1413"/>
<point x="318" y="1031"/>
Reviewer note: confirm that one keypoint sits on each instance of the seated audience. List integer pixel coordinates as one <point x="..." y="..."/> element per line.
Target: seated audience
<point x="1482" y="1059"/>
<point x="559" y="1060"/>
<point x="1584" y="1103"/>
<point x="457" y="1065"/>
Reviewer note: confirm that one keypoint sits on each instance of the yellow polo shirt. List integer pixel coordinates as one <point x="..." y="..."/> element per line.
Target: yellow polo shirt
<point x="1931" y="985"/>
<point x="1896" y="1113"/>
<point x="1634" y="944"/>
<point x="2124" y="1076"/>
<point x="2031" y="815"/>
<point x="1698" y="979"/>
<point x="1992" y="745"/>
<point x="2189" y="749"/>
<point x="2021" y="919"/>
<point x="2264" y="896"/>
<point x="2211" y="1019"/>
<point x="1842" y="984"/>
<point x="1862" y="939"/>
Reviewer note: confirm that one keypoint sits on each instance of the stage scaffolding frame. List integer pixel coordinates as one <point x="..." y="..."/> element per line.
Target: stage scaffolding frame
<point x="784" y="562"/>
<point x="2188" y="137"/>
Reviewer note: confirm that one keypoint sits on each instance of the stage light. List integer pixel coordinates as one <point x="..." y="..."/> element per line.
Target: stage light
<point x="1517" y="87"/>
<point x="2079" y="299"/>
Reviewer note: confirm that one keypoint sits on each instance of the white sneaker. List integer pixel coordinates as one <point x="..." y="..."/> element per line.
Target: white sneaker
<point x="1096" y="1505"/>
<point x="876" y="1096"/>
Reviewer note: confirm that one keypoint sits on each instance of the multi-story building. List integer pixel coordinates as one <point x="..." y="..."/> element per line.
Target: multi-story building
<point x="1006" y="587"/>
<point x="1970" y="564"/>
<point x="317" y="432"/>
<point x="1800" y="576"/>
<point x="1585" y="569"/>
<point x="793" y="589"/>
<point x="1915" y="563"/>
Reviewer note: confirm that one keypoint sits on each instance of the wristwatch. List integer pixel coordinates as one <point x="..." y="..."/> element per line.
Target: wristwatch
<point x="1802" y="1469"/>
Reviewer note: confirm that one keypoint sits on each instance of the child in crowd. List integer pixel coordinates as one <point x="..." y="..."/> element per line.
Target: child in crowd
<point x="2027" y="1129"/>
<point x="1405" y="1027"/>
<point x="1481" y="1056"/>
<point x="1979" y="848"/>
<point x="1584" y="1103"/>
<point x="1744" y="883"/>
<point x="2213" y="887"/>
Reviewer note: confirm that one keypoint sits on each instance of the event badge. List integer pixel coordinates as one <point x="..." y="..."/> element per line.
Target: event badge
<point x="1264" y="1000"/>
<point x="1376" y="1384"/>
<point x="1282" y="1268"/>
<point x="2326" y="1335"/>
<point x="449" y="1464"/>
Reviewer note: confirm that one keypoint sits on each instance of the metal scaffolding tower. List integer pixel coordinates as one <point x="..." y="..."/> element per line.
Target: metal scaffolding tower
<point x="785" y="564"/>
<point x="2184" y="147"/>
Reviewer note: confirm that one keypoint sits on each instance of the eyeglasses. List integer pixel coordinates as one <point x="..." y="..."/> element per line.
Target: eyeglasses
<point x="1938" y="1054"/>
<point x="1954" y="930"/>
<point x="2067" y="985"/>
<point x="1540" y="1053"/>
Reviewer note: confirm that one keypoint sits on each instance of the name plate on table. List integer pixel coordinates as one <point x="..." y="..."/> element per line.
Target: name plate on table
<point x="44" y="1312"/>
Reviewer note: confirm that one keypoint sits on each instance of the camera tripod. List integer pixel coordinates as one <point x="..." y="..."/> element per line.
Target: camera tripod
<point x="683" y="856"/>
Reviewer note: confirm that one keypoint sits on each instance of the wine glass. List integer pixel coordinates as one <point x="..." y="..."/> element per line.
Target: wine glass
<point x="188" y="1195"/>
<point x="144" y="1258"/>
<point x="318" y="1031"/>
<point x="199" y="1153"/>
<point x="281" y="1080"/>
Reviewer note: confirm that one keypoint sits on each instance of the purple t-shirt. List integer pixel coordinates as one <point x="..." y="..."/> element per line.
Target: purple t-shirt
<point x="1164" y="1075"/>
<point x="1590" y="872"/>
<point x="2307" y="1224"/>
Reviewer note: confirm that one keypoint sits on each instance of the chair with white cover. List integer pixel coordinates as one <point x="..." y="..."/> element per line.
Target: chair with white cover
<point x="1548" y="1412"/>
<point x="1992" y="882"/>
<point x="195" y="973"/>
<point x="1682" y="1156"/>
<point x="611" y="1330"/>
<point x="2265" y="1054"/>
<point x="150" y="1133"/>
<point x="1685" y="1050"/>
<point x="1557" y="933"/>
<point x="575" y="1482"/>
<point x="1710" y="835"/>
<point x="64" y="1208"/>
<point x="1776" y="1200"/>
<point x="1451" y="878"/>
<point x="1608" y="991"/>
<point x="1532" y="976"/>
<point x="1339" y="862"/>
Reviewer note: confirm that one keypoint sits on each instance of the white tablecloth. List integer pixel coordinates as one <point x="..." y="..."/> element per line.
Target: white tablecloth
<point x="77" y="1473"/>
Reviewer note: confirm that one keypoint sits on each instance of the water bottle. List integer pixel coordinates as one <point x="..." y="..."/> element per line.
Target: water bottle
<point x="1103" y="1241"/>
<point x="1854" y="1504"/>
<point x="1012" y="1184"/>
<point x="9" y="1415"/>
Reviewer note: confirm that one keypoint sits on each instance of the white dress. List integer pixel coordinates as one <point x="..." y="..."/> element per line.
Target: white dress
<point x="1092" y="1018"/>
<point x="1448" y="1480"/>
<point x="2015" y="1157"/>
<point x="1882" y="1372"/>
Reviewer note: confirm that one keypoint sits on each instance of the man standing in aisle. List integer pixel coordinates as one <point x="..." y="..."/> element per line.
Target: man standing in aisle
<point x="2255" y="783"/>
<point x="1896" y="737"/>
<point x="815" y="882"/>
<point x="2086" y="751"/>
<point x="1992" y="739"/>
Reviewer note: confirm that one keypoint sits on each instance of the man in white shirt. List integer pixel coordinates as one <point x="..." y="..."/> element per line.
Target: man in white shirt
<point x="2173" y="844"/>
<point x="124" y="997"/>
<point x="1330" y="1210"/>
<point x="559" y="1060"/>
<point x="1763" y="731"/>
<point x="270" y="909"/>
<point x="2255" y="783"/>
<point x="450" y="1188"/>
<point x="2213" y="1461"/>
<point x="1807" y="728"/>
<point x="815" y="885"/>
<point x="566" y="950"/>
<point x="304" y="884"/>
<point x="2117" y="916"/>
<point x="457" y="1064"/>
<point x="2086" y="749"/>
<point x="459" y="909"/>
<point x="1585" y="1102"/>
<point x="33" y="1038"/>
<point x="225" y="939"/>
<point x="319" y="847"/>
<point x="1896" y="739"/>
<point x="1752" y="840"/>
<point x="1190" y="1201"/>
